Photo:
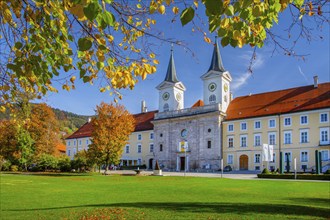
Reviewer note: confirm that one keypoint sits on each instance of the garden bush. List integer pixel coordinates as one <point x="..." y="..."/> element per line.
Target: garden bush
<point x="14" y="168"/>
<point x="6" y="165"/>
<point x="266" y="171"/>
<point x="299" y="176"/>
<point x="47" y="162"/>
<point x="64" y="164"/>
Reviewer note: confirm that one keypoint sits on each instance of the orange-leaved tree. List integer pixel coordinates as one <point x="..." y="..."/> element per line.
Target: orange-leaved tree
<point x="111" y="129"/>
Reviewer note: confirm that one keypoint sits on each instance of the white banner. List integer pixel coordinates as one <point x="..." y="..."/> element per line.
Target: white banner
<point x="265" y="153"/>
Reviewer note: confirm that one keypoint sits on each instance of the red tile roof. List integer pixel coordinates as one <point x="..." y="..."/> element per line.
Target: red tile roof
<point x="279" y="102"/>
<point x="142" y="120"/>
<point x="199" y="103"/>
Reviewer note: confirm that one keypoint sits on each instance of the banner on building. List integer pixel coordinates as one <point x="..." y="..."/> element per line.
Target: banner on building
<point x="183" y="145"/>
<point x="267" y="152"/>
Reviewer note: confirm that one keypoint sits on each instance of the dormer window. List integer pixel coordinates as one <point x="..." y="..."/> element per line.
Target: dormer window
<point x="212" y="99"/>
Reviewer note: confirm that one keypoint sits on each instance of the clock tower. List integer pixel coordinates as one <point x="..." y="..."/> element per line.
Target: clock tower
<point x="171" y="90"/>
<point x="216" y="82"/>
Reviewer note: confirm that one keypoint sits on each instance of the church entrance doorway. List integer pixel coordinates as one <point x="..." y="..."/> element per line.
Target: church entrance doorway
<point x="182" y="163"/>
<point x="151" y="163"/>
<point x="243" y="162"/>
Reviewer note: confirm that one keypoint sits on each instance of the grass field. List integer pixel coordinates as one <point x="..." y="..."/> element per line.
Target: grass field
<point x="148" y="197"/>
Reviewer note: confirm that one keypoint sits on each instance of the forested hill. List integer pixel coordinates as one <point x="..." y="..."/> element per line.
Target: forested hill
<point x="68" y="121"/>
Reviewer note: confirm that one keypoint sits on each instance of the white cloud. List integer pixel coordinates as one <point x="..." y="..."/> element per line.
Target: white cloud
<point x="242" y="78"/>
<point x="303" y="74"/>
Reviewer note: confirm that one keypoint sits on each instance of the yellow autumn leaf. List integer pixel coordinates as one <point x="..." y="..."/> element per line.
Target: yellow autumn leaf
<point x="152" y="55"/>
<point x="207" y="40"/>
<point x="161" y="9"/>
<point x="175" y="10"/>
<point x="144" y="75"/>
<point x="2" y="109"/>
<point x="73" y="78"/>
<point x="168" y="2"/>
<point x="156" y="62"/>
<point x="196" y="3"/>
<point x="102" y="89"/>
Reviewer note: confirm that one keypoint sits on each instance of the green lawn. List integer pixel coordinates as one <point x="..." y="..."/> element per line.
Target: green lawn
<point x="148" y="197"/>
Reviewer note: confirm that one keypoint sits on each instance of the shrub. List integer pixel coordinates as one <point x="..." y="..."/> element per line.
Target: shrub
<point x="14" y="168"/>
<point x="327" y="172"/>
<point x="47" y="162"/>
<point x="6" y="165"/>
<point x="266" y="171"/>
<point x="299" y="176"/>
<point x="64" y="164"/>
<point x="277" y="170"/>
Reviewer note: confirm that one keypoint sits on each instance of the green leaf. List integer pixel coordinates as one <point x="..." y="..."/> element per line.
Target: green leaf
<point x="230" y="10"/>
<point x="18" y="45"/>
<point x="86" y="79"/>
<point x="99" y="65"/>
<point x="299" y="3"/>
<point x="224" y="41"/>
<point x="92" y="10"/>
<point x="82" y="73"/>
<point x="84" y="44"/>
<point x="222" y="32"/>
<point x="108" y="1"/>
<point x="214" y="7"/>
<point x="108" y="18"/>
<point x="187" y="15"/>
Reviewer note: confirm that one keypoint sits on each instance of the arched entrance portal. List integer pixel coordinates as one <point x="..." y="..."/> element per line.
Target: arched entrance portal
<point x="151" y="163"/>
<point x="243" y="162"/>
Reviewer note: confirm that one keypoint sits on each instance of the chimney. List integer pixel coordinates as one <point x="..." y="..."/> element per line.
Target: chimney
<point x="143" y="107"/>
<point x="316" y="81"/>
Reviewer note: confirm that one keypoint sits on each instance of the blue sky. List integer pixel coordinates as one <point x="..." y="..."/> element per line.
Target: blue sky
<point x="272" y="71"/>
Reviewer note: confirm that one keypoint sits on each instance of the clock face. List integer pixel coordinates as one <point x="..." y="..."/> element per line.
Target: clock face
<point x="225" y="87"/>
<point x="212" y="86"/>
<point x="184" y="133"/>
<point x="178" y="96"/>
<point x="166" y="96"/>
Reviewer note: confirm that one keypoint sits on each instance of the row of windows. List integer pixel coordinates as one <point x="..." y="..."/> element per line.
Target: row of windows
<point x="139" y="136"/>
<point x="139" y="148"/>
<point x="304" y="138"/>
<point x="79" y="143"/>
<point x="304" y="157"/>
<point x="324" y="118"/>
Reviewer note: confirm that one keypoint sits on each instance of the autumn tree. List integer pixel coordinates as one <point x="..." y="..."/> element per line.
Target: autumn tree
<point x="8" y="141"/>
<point x="111" y="129"/>
<point x="45" y="40"/>
<point x="44" y="129"/>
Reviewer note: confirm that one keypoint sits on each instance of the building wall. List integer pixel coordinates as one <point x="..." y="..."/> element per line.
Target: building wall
<point x="200" y="129"/>
<point x="133" y="156"/>
<point x="295" y="148"/>
<point x="75" y="145"/>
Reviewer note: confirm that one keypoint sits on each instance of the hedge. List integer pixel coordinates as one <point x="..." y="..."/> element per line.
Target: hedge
<point x="299" y="176"/>
<point x="133" y="167"/>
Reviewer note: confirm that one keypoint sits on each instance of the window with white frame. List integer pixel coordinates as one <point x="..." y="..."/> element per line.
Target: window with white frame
<point x="69" y="152"/>
<point x="324" y="155"/>
<point x="257" y="158"/>
<point x="286" y="155"/>
<point x="87" y="142"/>
<point x="151" y="148"/>
<point x="230" y="141"/>
<point x="139" y="148"/>
<point x="303" y="119"/>
<point x="271" y="123"/>
<point x="230" y="127"/>
<point x="243" y="140"/>
<point x="257" y="124"/>
<point x="139" y="137"/>
<point x="272" y="138"/>
<point x="212" y="99"/>
<point x="79" y="142"/>
<point x="243" y="126"/>
<point x="127" y="149"/>
<point x="324" y="117"/>
<point x="74" y="151"/>
<point x="274" y="158"/>
<point x="257" y="140"/>
<point x="74" y="143"/>
<point x="304" y="136"/>
<point x="69" y="142"/>
<point x="287" y="137"/>
<point x="324" y="136"/>
<point x="151" y="136"/>
<point x="287" y="121"/>
<point x="139" y="161"/>
<point x="304" y="156"/>
<point x="230" y="159"/>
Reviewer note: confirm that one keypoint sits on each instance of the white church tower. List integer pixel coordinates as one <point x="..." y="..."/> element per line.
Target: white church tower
<point x="216" y="82"/>
<point x="171" y="90"/>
